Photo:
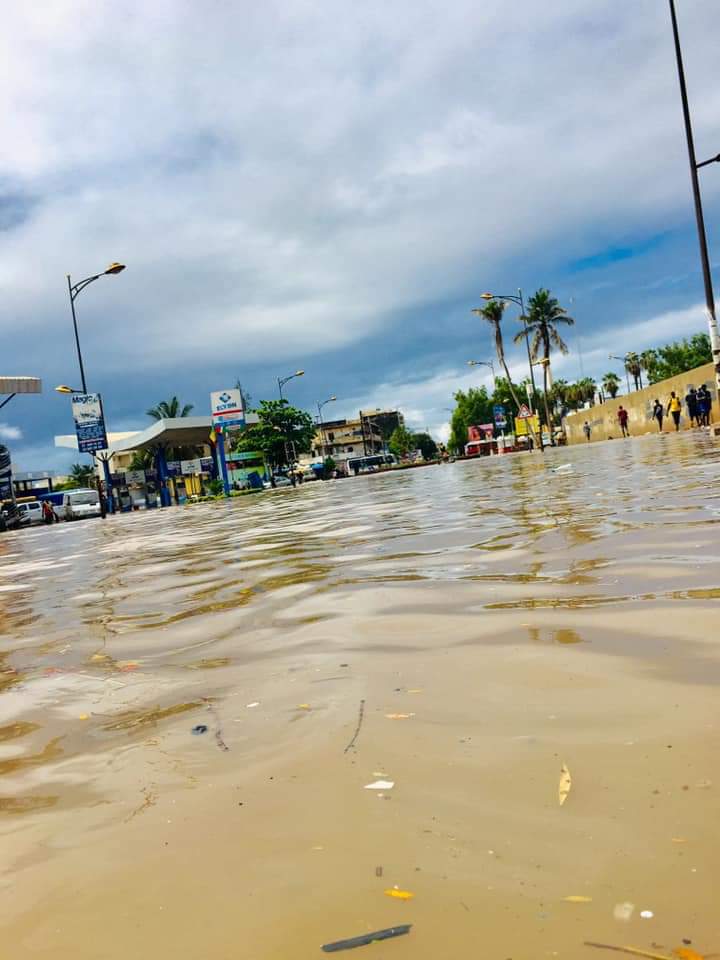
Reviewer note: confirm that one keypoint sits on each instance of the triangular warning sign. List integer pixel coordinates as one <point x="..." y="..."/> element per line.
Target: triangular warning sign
<point x="524" y="412"/>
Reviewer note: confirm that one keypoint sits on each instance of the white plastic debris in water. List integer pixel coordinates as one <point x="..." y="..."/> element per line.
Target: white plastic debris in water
<point x="563" y="468"/>
<point x="255" y="703"/>
<point x="647" y="914"/>
<point x="623" y="911"/>
<point x="380" y="785"/>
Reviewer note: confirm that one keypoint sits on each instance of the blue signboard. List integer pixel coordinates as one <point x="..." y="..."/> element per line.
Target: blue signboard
<point x="499" y="415"/>
<point x="89" y="422"/>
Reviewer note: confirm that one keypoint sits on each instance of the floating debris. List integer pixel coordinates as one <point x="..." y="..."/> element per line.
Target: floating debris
<point x="399" y="716"/>
<point x="366" y="938"/>
<point x="564" y="785"/>
<point x="635" y="951"/>
<point x="399" y="894"/>
<point x="356" y="734"/>
<point x="577" y="898"/>
<point x="199" y="729"/>
<point x="380" y="785"/>
<point x="647" y="914"/>
<point x="623" y="911"/>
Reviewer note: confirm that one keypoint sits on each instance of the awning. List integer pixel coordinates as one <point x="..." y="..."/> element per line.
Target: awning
<point x="174" y="432"/>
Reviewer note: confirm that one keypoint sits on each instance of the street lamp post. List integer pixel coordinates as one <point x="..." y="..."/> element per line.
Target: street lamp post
<point x="699" y="217"/>
<point x="521" y="303"/>
<point x="320" y="421"/>
<point x="281" y="381"/>
<point x="74" y="289"/>
<point x="484" y="363"/>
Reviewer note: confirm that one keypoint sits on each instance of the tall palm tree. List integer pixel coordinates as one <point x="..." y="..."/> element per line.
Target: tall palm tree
<point x="632" y="365"/>
<point x="611" y="384"/>
<point x="648" y="362"/>
<point x="169" y="409"/>
<point x="493" y="313"/>
<point x="541" y="322"/>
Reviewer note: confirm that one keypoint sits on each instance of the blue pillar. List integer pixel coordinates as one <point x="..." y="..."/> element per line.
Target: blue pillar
<point x="108" y="486"/>
<point x="162" y="476"/>
<point x="221" y="457"/>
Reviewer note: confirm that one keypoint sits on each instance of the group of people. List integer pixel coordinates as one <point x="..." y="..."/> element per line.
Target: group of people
<point x="698" y="403"/>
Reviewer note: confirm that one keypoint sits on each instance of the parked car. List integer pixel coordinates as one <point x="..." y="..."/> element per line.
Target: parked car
<point x="8" y="516"/>
<point x="280" y="481"/>
<point x="30" y="512"/>
<point x="78" y="504"/>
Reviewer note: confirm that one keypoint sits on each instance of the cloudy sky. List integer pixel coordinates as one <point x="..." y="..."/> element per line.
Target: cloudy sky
<point x="331" y="186"/>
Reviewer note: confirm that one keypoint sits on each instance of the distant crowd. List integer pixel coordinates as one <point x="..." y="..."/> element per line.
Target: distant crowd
<point x="698" y="404"/>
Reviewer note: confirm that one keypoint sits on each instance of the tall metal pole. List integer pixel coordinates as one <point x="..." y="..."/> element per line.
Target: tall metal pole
<point x="280" y="386"/>
<point x="77" y="338"/>
<point x="322" y="429"/>
<point x="702" y="238"/>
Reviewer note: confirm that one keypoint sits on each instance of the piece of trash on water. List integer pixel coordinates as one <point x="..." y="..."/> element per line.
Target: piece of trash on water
<point x="84" y="716"/>
<point x="380" y="785"/>
<point x="577" y="898"/>
<point x="255" y="703"/>
<point x="304" y="706"/>
<point x="635" y="951"/>
<point x="623" y="911"/>
<point x="199" y="729"/>
<point x="647" y="914"/>
<point x="399" y="894"/>
<point x="564" y="785"/>
<point x="366" y="938"/>
<point x="685" y="953"/>
<point x="417" y="690"/>
<point x="399" y="716"/>
<point x="563" y="468"/>
<point x="378" y="871"/>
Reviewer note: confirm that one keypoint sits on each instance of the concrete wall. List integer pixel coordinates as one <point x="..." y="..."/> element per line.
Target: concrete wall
<point x="603" y="417"/>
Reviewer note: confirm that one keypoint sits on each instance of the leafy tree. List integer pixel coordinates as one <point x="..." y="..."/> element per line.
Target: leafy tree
<point x="426" y="445"/>
<point x="471" y="408"/>
<point x="82" y="474"/>
<point x="282" y="434"/>
<point x="678" y="357"/>
<point x="401" y="442"/>
<point x="611" y="383"/>
<point x="169" y="409"/>
<point x="648" y="362"/>
<point x="142" y="460"/>
<point x="544" y="315"/>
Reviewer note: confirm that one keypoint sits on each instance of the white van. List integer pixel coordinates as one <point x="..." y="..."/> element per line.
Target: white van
<point x="30" y="512"/>
<point x="78" y="504"/>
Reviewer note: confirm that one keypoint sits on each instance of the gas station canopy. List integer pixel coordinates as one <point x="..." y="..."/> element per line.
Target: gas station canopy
<point x="20" y="385"/>
<point x="174" y="432"/>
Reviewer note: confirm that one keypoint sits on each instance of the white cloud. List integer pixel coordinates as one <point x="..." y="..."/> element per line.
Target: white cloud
<point x="9" y="433"/>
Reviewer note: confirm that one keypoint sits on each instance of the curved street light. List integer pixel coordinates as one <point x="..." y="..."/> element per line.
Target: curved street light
<point x="484" y="363"/>
<point x="320" y="420"/>
<point x="281" y="381"/>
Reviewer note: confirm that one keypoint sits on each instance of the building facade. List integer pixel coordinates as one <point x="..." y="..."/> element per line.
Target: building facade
<point x="345" y="440"/>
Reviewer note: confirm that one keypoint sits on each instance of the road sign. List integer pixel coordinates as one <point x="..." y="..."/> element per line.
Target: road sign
<point x="191" y="467"/>
<point x="524" y="413"/>
<point x="227" y="408"/>
<point x="499" y="416"/>
<point x="135" y="477"/>
<point x="523" y="423"/>
<point x="87" y="413"/>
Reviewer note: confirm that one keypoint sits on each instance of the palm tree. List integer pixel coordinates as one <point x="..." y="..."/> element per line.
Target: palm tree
<point x="493" y="313"/>
<point x="632" y="365"/>
<point x="169" y="409"/>
<point x="82" y="474"/>
<point x="541" y="322"/>
<point x="587" y="388"/>
<point x="648" y="362"/>
<point x="611" y="384"/>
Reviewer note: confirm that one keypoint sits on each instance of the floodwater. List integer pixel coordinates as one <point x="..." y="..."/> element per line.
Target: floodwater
<point x="513" y="615"/>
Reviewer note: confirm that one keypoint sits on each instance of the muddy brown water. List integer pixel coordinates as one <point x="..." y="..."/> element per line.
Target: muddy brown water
<point x="521" y="618"/>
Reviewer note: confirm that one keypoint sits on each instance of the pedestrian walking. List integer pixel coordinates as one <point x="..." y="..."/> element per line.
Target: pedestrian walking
<point x="48" y="513"/>
<point x="675" y="407"/>
<point x="658" y="413"/>
<point x="623" y="420"/>
<point x="587" y="430"/>
<point x="704" y="406"/>
<point x="693" y="409"/>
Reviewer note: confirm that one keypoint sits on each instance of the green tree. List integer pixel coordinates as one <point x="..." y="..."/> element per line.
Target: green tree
<point x="401" y="442"/>
<point x="283" y="433"/>
<point x="471" y="408"/>
<point x="142" y="460"/>
<point x="678" y="357"/>
<point x="82" y="474"/>
<point x="648" y="362"/>
<point x="611" y="383"/>
<point x="169" y="409"/>
<point x="493" y="313"/>
<point x="544" y="315"/>
<point x="426" y="445"/>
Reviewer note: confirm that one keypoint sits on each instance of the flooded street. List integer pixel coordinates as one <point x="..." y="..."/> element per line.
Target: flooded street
<point x="193" y="701"/>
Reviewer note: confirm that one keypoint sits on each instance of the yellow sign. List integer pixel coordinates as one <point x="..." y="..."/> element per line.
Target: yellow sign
<point x="521" y="425"/>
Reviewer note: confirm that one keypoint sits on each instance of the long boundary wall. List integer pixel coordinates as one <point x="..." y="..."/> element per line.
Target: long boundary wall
<point x="603" y="416"/>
